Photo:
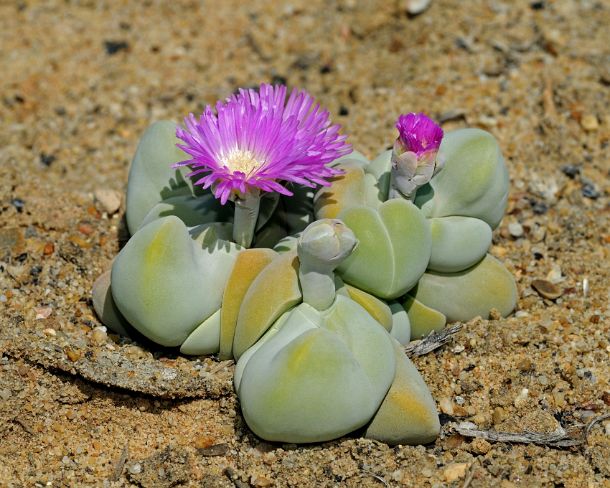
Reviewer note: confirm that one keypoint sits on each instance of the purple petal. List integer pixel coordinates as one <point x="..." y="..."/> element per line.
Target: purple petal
<point x="272" y="138"/>
<point x="418" y="133"/>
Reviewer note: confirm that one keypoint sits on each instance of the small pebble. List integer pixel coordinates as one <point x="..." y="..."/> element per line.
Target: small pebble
<point x="99" y="335"/>
<point x="455" y="471"/>
<point x="113" y="47"/>
<point x="50" y="332"/>
<point x="480" y="446"/>
<point x="135" y="468"/>
<point x="214" y="450"/>
<point x="589" y="191"/>
<point x="42" y="312"/>
<point x="85" y="229"/>
<point x="259" y="480"/>
<point x="459" y="411"/>
<point x="589" y="122"/>
<point x="546" y="289"/>
<point x="109" y="200"/>
<point x="585" y="287"/>
<point x="169" y="374"/>
<point x="522" y="397"/>
<point x="555" y="276"/>
<point x="570" y="170"/>
<point x="48" y="249"/>
<point x="5" y="394"/>
<point x="47" y="159"/>
<point x="18" y="203"/>
<point x="415" y="7"/>
<point x="73" y="354"/>
<point x="539" y="208"/>
<point x="446" y="405"/>
<point x="515" y="229"/>
<point x="525" y="364"/>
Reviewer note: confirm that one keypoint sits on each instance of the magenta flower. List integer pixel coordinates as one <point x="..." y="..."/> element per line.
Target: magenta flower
<point x="415" y="158"/>
<point x="418" y="133"/>
<point x="257" y="138"/>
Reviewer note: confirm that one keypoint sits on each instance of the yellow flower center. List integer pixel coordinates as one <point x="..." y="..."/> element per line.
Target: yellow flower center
<point x="241" y="160"/>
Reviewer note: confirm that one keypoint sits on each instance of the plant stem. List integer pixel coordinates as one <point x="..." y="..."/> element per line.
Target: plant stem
<point x="318" y="286"/>
<point x="323" y="245"/>
<point x="246" y="215"/>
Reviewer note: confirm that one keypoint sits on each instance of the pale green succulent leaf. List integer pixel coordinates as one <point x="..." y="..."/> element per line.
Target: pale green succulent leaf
<point x="423" y="319"/>
<point x="322" y="375"/>
<point x="467" y="294"/>
<point x="151" y="177"/>
<point x="164" y="284"/>
<point x="401" y="325"/>
<point x="106" y="309"/>
<point x="408" y="413"/>
<point x="457" y="243"/>
<point x="205" y="339"/>
<point x="474" y="181"/>
<point x="393" y="250"/>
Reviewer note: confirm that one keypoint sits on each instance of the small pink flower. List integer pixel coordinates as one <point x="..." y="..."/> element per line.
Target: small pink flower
<point x="415" y="158"/>
<point x="418" y="133"/>
<point x="257" y="139"/>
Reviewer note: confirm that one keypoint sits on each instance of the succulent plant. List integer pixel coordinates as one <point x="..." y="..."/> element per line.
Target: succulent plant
<point x="458" y="188"/>
<point x="306" y="263"/>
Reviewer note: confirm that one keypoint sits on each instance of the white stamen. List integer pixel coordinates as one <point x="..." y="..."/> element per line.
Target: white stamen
<point x="241" y="160"/>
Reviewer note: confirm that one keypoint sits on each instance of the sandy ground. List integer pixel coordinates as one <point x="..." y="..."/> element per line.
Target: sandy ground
<point x="80" y="82"/>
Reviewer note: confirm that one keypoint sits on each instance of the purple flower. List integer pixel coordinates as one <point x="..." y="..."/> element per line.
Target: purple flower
<point x="257" y="138"/>
<point x="418" y="133"/>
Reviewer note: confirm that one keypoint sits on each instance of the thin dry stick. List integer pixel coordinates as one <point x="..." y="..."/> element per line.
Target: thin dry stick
<point x="377" y="477"/>
<point x="470" y="476"/>
<point x="596" y="420"/>
<point x="558" y="438"/>
<point x="432" y="341"/>
<point x="118" y="468"/>
<point x="221" y="365"/>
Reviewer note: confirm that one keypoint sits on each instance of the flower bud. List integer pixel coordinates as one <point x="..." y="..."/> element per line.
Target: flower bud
<point x="325" y="244"/>
<point x="414" y="155"/>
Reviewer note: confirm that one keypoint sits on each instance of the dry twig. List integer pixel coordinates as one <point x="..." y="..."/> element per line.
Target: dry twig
<point x="558" y="438"/>
<point x="470" y="476"/>
<point x="596" y="420"/>
<point x="118" y="468"/>
<point x="432" y="341"/>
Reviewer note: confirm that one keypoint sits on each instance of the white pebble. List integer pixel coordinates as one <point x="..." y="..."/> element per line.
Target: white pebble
<point x="515" y="229"/>
<point x="522" y="397"/>
<point x="42" y="312"/>
<point x="109" y="200"/>
<point x="169" y="374"/>
<point x="415" y="7"/>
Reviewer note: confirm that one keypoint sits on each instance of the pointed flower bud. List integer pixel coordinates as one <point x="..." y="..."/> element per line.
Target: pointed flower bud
<point x="326" y="243"/>
<point x="323" y="245"/>
<point x="414" y="156"/>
